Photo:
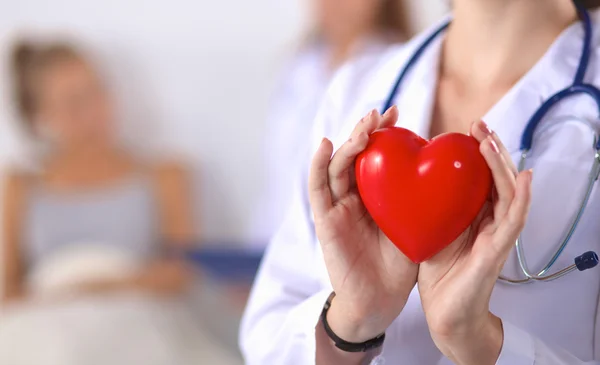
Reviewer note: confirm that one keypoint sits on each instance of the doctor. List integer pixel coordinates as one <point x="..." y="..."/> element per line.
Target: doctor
<point x="344" y="30"/>
<point x="334" y="290"/>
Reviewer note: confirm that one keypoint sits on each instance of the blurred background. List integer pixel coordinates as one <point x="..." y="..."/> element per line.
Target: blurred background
<point x="147" y="151"/>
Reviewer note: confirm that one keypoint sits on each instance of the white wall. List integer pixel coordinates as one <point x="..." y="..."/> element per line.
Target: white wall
<point x="197" y="73"/>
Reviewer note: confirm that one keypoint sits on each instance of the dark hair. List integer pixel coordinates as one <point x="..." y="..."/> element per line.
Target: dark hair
<point x="28" y="62"/>
<point x="394" y="19"/>
<point x="591" y="4"/>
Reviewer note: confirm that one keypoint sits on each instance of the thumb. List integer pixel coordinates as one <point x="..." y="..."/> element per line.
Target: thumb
<point x="514" y="221"/>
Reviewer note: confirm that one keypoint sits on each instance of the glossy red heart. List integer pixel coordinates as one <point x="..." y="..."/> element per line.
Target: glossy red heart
<point x="422" y="194"/>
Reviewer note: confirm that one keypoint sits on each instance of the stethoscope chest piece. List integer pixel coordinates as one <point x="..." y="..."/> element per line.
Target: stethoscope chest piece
<point x="588" y="260"/>
<point x="583" y="262"/>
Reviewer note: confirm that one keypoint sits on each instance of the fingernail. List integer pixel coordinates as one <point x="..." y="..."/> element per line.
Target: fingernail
<point x="350" y="140"/>
<point x="470" y="128"/>
<point x="493" y="144"/>
<point x="496" y="139"/>
<point x="484" y="128"/>
<point x="390" y="110"/>
<point x="530" y="175"/>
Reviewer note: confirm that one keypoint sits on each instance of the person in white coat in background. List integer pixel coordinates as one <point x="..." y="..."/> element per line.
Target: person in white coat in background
<point x="498" y="61"/>
<point x="344" y="29"/>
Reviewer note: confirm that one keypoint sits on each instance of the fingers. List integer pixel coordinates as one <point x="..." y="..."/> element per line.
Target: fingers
<point x="389" y="118"/>
<point x="318" y="186"/>
<point x="342" y="161"/>
<point x="330" y="178"/>
<point x="480" y="131"/>
<point x="504" y="179"/>
<point x="504" y="152"/>
<point x="373" y="121"/>
<point x="511" y="226"/>
<point x="368" y="124"/>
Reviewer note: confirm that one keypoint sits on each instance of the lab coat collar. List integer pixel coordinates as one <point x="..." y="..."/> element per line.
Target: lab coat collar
<point x="555" y="71"/>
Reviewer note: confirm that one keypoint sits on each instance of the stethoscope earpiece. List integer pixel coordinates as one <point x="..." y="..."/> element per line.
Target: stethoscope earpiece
<point x="588" y="260"/>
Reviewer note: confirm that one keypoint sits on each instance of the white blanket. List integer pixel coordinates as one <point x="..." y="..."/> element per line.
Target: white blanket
<point x="117" y="330"/>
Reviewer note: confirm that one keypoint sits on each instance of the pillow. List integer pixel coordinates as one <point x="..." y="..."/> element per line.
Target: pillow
<point x="80" y="263"/>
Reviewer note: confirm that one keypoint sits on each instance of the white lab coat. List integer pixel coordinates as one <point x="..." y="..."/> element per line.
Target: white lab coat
<point x="290" y="124"/>
<point x="553" y="323"/>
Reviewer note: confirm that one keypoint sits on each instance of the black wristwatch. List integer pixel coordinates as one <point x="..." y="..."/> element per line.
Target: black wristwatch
<point x="345" y="345"/>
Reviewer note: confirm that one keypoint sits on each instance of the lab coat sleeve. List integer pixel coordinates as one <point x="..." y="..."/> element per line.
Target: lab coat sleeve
<point x="278" y="326"/>
<point x="520" y="348"/>
<point x="286" y="301"/>
<point x="289" y="292"/>
<point x="285" y="304"/>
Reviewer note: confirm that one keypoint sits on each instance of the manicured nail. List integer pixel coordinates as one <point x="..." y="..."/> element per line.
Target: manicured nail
<point x="389" y="111"/>
<point x="493" y="144"/>
<point x="496" y="139"/>
<point x="470" y="128"/>
<point x="484" y="128"/>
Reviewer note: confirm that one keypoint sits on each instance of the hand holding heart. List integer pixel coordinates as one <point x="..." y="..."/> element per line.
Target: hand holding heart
<point x="372" y="278"/>
<point x="456" y="285"/>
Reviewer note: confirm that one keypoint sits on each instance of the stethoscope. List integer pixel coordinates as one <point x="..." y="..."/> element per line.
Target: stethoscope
<point x="587" y="260"/>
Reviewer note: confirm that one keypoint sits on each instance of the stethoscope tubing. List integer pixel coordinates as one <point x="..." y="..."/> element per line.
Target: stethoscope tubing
<point x="589" y="259"/>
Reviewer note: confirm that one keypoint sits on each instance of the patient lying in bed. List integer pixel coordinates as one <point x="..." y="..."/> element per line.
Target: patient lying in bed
<point x="89" y="198"/>
<point x="86" y="272"/>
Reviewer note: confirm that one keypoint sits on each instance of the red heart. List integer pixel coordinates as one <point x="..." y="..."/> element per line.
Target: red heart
<point x="422" y="194"/>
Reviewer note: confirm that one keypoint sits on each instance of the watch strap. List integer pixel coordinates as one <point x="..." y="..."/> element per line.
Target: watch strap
<point x="344" y="345"/>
